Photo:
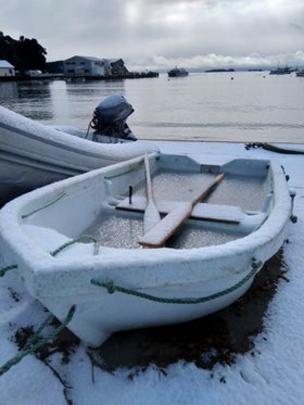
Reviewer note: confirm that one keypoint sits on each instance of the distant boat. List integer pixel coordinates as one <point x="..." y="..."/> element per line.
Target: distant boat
<point x="178" y="72"/>
<point x="300" y="73"/>
<point x="281" y="71"/>
<point x="219" y="70"/>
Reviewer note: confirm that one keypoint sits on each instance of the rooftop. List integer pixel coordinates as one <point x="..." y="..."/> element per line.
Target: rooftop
<point x="5" y="64"/>
<point x="93" y="58"/>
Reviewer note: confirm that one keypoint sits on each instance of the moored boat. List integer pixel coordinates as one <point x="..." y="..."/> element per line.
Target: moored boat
<point x="178" y="72"/>
<point x="281" y="71"/>
<point x="300" y="73"/>
<point x="76" y="242"/>
<point x="33" y="154"/>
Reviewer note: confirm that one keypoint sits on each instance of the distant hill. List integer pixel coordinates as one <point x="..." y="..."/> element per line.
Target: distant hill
<point x="24" y="53"/>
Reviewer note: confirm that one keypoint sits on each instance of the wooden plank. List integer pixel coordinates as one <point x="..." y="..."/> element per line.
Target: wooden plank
<point x="162" y="231"/>
<point x="201" y="212"/>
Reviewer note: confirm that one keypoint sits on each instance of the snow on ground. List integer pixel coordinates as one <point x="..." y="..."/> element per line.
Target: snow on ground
<point x="274" y="375"/>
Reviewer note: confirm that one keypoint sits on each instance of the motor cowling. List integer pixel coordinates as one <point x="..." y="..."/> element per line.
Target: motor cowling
<point x="110" y="117"/>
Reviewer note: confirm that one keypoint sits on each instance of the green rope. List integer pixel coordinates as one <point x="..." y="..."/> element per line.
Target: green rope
<point x="4" y="270"/>
<point x="112" y="288"/>
<point x="36" y="335"/>
<point x="72" y="242"/>
<point x="44" y="206"/>
<point x="36" y="344"/>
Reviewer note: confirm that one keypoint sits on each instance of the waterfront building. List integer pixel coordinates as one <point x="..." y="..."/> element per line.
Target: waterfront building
<point x="6" y="69"/>
<point x="91" y="66"/>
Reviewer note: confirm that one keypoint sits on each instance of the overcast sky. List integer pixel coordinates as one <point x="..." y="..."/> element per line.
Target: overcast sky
<point x="163" y="33"/>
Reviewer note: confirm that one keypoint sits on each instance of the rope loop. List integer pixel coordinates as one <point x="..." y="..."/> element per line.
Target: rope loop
<point x="4" y="270"/>
<point x="72" y="242"/>
<point x="109" y="286"/>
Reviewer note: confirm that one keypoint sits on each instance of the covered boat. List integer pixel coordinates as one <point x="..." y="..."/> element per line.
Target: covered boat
<point x="79" y="241"/>
<point x="33" y="154"/>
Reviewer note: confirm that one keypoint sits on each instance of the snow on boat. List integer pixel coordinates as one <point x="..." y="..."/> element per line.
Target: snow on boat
<point x="33" y="154"/>
<point x="76" y="242"/>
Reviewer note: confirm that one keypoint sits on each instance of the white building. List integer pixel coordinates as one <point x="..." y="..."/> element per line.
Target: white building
<point x="90" y="66"/>
<point x="6" y="69"/>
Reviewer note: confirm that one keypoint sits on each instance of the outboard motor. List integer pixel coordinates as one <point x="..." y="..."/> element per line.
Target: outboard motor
<point x="109" y="119"/>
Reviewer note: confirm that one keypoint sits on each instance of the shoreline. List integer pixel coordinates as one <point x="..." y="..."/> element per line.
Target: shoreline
<point x="59" y="76"/>
<point x="230" y="141"/>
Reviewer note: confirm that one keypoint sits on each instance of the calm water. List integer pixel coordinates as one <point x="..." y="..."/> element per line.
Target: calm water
<point x="209" y="106"/>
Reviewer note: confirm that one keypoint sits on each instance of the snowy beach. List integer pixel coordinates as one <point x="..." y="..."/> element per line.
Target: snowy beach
<point x="273" y="375"/>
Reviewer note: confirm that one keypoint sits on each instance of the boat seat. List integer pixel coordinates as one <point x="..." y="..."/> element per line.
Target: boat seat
<point x="225" y="214"/>
<point x="201" y="211"/>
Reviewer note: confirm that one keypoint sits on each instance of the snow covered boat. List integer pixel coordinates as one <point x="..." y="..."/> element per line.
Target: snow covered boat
<point x="76" y="242"/>
<point x="33" y="154"/>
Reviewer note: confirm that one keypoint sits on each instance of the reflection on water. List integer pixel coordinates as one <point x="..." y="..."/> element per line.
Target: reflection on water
<point x="32" y="99"/>
<point x="8" y="91"/>
<point x="253" y="107"/>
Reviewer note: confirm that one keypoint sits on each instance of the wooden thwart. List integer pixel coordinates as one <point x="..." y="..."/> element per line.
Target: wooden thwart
<point x="202" y="211"/>
<point x="163" y="230"/>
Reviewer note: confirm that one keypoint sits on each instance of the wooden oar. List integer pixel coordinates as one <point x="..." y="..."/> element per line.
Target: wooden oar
<point x="163" y="230"/>
<point x="151" y="215"/>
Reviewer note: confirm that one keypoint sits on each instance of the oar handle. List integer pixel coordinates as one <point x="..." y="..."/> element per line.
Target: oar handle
<point x="205" y="193"/>
<point x="148" y="178"/>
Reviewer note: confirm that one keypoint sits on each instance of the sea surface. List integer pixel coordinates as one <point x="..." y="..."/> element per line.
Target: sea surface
<point x="240" y="106"/>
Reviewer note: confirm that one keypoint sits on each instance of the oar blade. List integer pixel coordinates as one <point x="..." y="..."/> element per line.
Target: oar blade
<point x="160" y="233"/>
<point x="151" y="217"/>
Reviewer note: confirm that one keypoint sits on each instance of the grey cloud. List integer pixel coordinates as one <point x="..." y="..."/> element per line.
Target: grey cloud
<point x="298" y="27"/>
<point x="143" y="31"/>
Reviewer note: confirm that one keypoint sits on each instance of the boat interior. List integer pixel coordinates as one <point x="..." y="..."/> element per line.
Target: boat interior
<point x="110" y="206"/>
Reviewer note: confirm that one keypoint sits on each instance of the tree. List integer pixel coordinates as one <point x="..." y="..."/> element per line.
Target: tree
<point x="24" y="53"/>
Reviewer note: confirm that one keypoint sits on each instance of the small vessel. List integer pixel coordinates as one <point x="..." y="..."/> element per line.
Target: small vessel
<point x="78" y="242"/>
<point x="178" y="72"/>
<point x="281" y="71"/>
<point x="300" y="73"/>
<point x="33" y="154"/>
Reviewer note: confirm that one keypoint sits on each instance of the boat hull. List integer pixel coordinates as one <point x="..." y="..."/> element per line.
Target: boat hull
<point x="100" y="315"/>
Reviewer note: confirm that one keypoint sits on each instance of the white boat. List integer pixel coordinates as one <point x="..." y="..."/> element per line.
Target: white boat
<point x="33" y="154"/>
<point x="76" y="242"/>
